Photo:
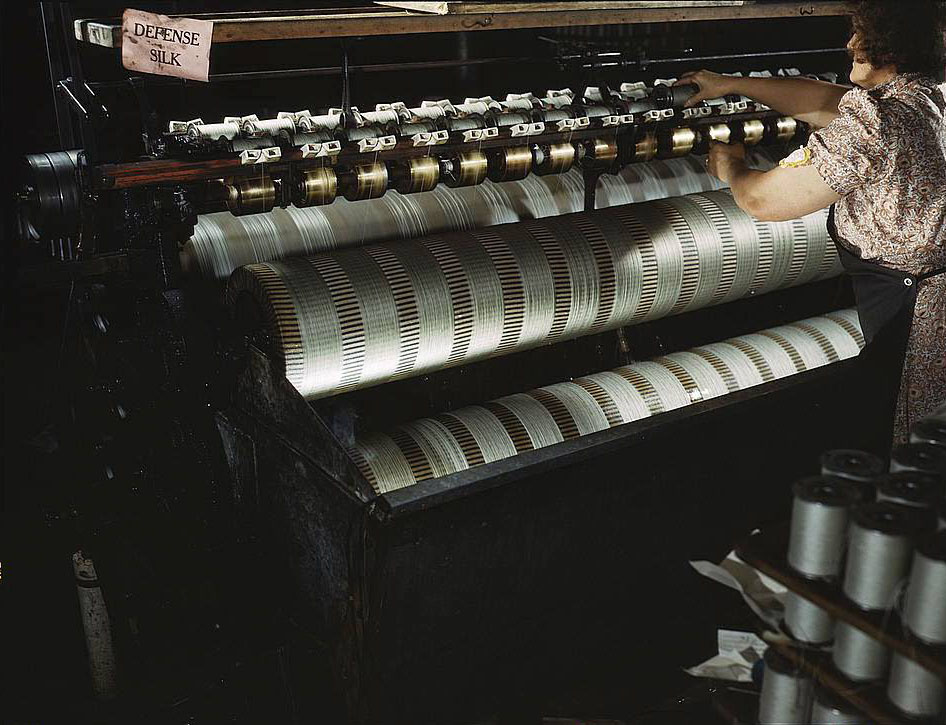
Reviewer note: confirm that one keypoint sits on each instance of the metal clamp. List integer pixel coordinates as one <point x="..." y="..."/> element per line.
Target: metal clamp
<point x="260" y="156"/>
<point x="295" y="116"/>
<point x="474" y="134"/>
<point x="610" y="121"/>
<point x="566" y="124"/>
<point x="582" y="122"/>
<point x="625" y="119"/>
<point x="491" y="132"/>
<point x="321" y="150"/>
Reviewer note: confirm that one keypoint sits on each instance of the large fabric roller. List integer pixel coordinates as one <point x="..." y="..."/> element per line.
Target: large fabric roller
<point x="222" y="242"/>
<point x="435" y="447"/>
<point x="358" y="317"/>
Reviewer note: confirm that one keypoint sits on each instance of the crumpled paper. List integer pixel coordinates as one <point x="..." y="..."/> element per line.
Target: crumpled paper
<point x="738" y="652"/>
<point x="764" y="596"/>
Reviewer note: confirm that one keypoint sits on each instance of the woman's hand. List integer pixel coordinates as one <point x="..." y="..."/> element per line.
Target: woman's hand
<point x="725" y="159"/>
<point x="712" y="85"/>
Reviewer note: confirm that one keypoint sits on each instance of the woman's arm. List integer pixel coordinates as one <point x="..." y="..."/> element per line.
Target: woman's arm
<point x="786" y="192"/>
<point x="811" y="101"/>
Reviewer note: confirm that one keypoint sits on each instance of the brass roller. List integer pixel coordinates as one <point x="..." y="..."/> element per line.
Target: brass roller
<point x="316" y="187"/>
<point x="367" y="181"/>
<point x="785" y="128"/>
<point x="251" y="196"/>
<point x="680" y="142"/>
<point x="600" y="154"/>
<point x="415" y="175"/>
<point x="719" y="132"/>
<point x="645" y="149"/>
<point x="466" y="169"/>
<point x="510" y="164"/>
<point x="752" y="131"/>
<point x="554" y="158"/>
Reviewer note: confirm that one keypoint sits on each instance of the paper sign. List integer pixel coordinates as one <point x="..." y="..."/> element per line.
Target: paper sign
<point x="153" y="43"/>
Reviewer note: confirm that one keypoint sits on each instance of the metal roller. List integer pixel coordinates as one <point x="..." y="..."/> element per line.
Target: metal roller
<point x="503" y="428"/>
<point x="547" y="258"/>
<point x="251" y="144"/>
<point x="678" y="142"/>
<point x="718" y="132"/>
<point x="466" y="169"/>
<point x="51" y="194"/>
<point x="554" y="158"/>
<point x="510" y="164"/>
<point x="416" y="175"/>
<point x="785" y="128"/>
<point x="600" y="154"/>
<point x="316" y="187"/>
<point x="251" y="195"/>
<point x="367" y="181"/>
<point x="645" y="148"/>
<point x="753" y="131"/>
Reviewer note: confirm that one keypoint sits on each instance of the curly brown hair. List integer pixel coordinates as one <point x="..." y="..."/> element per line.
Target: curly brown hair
<point x="907" y="34"/>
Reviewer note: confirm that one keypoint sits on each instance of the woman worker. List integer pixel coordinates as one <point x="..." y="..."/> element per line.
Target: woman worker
<point x="878" y="159"/>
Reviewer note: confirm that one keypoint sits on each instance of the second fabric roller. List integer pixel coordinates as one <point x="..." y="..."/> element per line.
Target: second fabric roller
<point x="358" y="317"/>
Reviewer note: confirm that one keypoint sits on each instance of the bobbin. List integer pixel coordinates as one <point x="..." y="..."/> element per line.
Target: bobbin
<point x="852" y="465"/>
<point x="786" y="693"/>
<point x="924" y="610"/>
<point x="915" y="690"/>
<point x="931" y="431"/>
<point x="880" y="547"/>
<point x="910" y="488"/>
<point x="829" y="709"/>
<point x="858" y="656"/>
<point x="921" y="457"/>
<point x="806" y="621"/>
<point x="819" y="524"/>
<point x="510" y="164"/>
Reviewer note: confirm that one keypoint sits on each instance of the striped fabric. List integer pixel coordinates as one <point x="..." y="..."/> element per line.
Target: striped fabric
<point x="357" y="317"/>
<point x="452" y="442"/>
<point x="222" y="242"/>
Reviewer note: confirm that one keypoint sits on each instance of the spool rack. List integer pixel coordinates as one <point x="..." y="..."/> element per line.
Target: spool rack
<point x="765" y="551"/>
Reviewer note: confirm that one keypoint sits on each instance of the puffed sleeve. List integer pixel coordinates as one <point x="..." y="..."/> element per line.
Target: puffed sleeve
<point x="855" y="148"/>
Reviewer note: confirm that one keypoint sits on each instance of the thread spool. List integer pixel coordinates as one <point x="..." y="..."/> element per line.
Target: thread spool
<point x="785" y="128"/>
<point x="806" y="621"/>
<point x="316" y="187"/>
<point x="858" y="656"/>
<point x="466" y="169"/>
<point x="753" y="131"/>
<point x="600" y="154"/>
<point x="416" y="175"/>
<point x="786" y="694"/>
<point x="921" y="457"/>
<point x="931" y="431"/>
<point x="214" y="131"/>
<point x="915" y="690"/>
<point x="879" y="553"/>
<point x="674" y="96"/>
<point x="678" y="142"/>
<point x="829" y="709"/>
<point x="910" y="488"/>
<point x="251" y="196"/>
<point x="510" y="164"/>
<point x="924" y="610"/>
<point x="270" y="126"/>
<point x="368" y="181"/>
<point x="645" y="148"/>
<point x="554" y="158"/>
<point x="819" y="524"/>
<point x="941" y="515"/>
<point x="249" y="144"/>
<point x="852" y="465"/>
<point x="718" y="132"/>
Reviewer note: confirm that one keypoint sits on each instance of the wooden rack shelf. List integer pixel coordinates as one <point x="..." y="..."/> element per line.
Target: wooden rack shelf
<point x="348" y="22"/>
<point x="766" y="550"/>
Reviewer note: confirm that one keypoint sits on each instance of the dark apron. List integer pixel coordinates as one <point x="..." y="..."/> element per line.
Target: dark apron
<point x="886" y="298"/>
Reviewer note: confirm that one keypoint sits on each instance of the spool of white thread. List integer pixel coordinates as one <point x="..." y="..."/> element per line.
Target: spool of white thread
<point x="786" y="693"/>
<point x="931" y="431"/>
<point x="858" y="656"/>
<point x="880" y="548"/>
<point x="829" y="709"/>
<point x="806" y="621"/>
<point x="852" y="465"/>
<point x="819" y="524"/>
<point x="915" y="690"/>
<point x="921" y="457"/>
<point x="924" y="610"/>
